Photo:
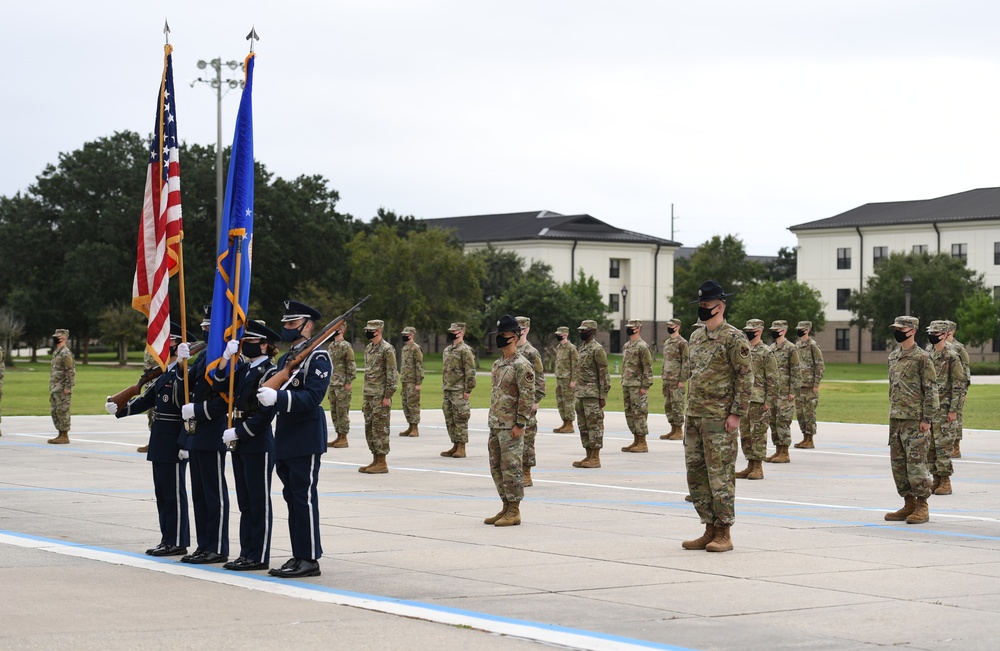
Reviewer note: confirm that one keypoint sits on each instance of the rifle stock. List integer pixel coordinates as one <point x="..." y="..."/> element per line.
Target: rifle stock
<point x="122" y="397"/>
<point x="279" y="379"/>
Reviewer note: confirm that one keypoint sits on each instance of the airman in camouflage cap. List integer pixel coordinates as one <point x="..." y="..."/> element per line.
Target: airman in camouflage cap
<point x="754" y="324"/>
<point x="676" y="322"/>
<point x="524" y="321"/>
<point x="634" y="323"/>
<point x="588" y="324"/>
<point x="903" y="322"/>
<point x="804" y="325"/>
<point x="409" y="330"/>
<point x="780" y="324"/>
<point x="562" y="330"/>
<point x="375" y="324"/>
<point x="938" y="327"/>
<point x="457" y="326"/>
<point x="61" y="332"/>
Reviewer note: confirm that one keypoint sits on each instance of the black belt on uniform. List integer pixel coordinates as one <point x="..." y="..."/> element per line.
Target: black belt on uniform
<point x="160" y="416"/>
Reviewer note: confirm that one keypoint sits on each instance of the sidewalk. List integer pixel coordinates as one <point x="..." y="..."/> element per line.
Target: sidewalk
<point x="596" y="564"/>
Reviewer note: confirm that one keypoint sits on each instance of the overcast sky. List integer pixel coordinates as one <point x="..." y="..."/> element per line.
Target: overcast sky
<point x="748" y="115"/>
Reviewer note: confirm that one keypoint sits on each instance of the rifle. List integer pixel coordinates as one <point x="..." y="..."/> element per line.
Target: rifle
<point x="299" y="353"/>
<point x="122" y="397"/>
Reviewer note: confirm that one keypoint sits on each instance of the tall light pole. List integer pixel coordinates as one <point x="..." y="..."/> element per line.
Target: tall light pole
<point x="217" y="83"/>
<point x="907" y="281"/>
<point x="624" y="311"/>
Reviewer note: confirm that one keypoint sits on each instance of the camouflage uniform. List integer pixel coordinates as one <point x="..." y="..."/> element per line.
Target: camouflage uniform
<point x="964" y="355"/>
<point x="811" y="369"/>
<point x="753" y="430"/>
<point x="343" y="370"/>
<point x="531" y="354"/>
<point x="380" y="383"/>
<point x="637" y="377"/>
<point x="721" y="381"/>
<point x="788" y="381"/>
<point x="511" y="403"/>
<point x="951" y="391"/>
<point x="676" y="369"/>
<point x="913" y="398"/>
<point x="411" y="375"/>
<point x="458" y="377"/>
<point x="567" y="361"/>
<point x="592" y="385"/>
<point x="61" y="378"/>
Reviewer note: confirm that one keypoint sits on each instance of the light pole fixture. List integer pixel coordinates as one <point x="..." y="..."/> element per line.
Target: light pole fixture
<point x="217" y="83"/>
<point x="907" y="281"/>
<point x="624" y="292"/>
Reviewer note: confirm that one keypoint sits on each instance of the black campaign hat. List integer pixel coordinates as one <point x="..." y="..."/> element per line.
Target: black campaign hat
<point x="507" y="323"/>
<point x="259" y="330"/>
<point x="296" y="310"/>
<point x="710" y="290"/>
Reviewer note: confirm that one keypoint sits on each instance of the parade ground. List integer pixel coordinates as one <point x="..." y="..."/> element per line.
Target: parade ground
<point x="596" y="564"/>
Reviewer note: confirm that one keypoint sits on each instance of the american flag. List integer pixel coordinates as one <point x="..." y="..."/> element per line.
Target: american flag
<point x="160" y="227"/>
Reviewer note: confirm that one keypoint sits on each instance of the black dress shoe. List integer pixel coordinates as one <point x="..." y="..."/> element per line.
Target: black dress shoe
<point x="208" y="558"/>
<point x="300" y="568"/>
<point x="230" y="564"/>
<point x="190" y="557"/>
<point x="245" y="565"/>
<point x="167" y="550"/>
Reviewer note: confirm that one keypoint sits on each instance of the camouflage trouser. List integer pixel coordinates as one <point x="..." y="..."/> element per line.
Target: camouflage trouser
<point x="506" y="464"/>
<point x="529" y="439"/>
<point x="591" y="416"/>
<point x="340" y="409"/>
<point x="673" y="402"/>
<point x="939" y="451"/>
<point x="908" y="457"/>
<point x="376" y="424"/>
<point x="753" y="433"/>
<point x="636" y="410"/>
<point x="411" y="403"/>
<point x="781" y="421"/>
<point x="961" y="408"/>
<point x="565" y="399"/>
<point x="59" y="402"/>
<point x="456" y="416"/>
<point x="805" y="410"/>
<point x="710" y="457"/>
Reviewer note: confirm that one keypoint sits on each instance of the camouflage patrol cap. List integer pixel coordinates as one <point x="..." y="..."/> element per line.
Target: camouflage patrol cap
<point x="61" y="332"/>
<point x="779" y="325"/>
<point x="938" y="327"/>
<point x="754" y="324"/>
<point x="588" y="324"/>
<point x="905" y="322"/>
<point x="804" y="325"/>
<point x="634" y="323"/>
<point x="375" y="324"/>
<point x="562" y="330"/>
<point x="523" y="321"/>
<point x="676" y="322"/>
<point x="409" y="330"/>
<point x="951" y="325"/>
<point x="457" y="326"/>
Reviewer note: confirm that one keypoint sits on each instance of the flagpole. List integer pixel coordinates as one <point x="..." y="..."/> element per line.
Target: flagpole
<point x="236" y="307"/>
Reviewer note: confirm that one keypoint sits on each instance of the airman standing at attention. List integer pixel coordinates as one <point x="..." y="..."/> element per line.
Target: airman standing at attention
<point x="676" y="371"/>
<point x="811" y="369"/>
<point x="61" y="380"/>
<point x="753" y="431"/>
<point x="380" y="384"/>
<point x="637" y="377"/>
<point x="411" y="376"/>
<point x="531" y="354"/>
<point x="951" y="391"/>
<point x="567" y="359"/>
<point x="964" y="355"/>
<point x="592" y="385"/>
<point x="789" y="379"/>
<point x="340" y="392"/>
<point x="458" y="379"/>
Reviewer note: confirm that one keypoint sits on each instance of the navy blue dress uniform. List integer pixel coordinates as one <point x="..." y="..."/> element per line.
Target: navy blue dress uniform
<point x="300" y="440"/>
<point x="165" y="397"/>
<point x="253" y="448"/>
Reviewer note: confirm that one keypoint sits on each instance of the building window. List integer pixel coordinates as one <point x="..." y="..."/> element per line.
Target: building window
<point x="843" y="338"/>
<point x="613" y="304"/>
<point x="996" y="253"/>
<point x="878" y="343"/>
<point x="920" y="248"/>
<point x="879" y="253"/>
<point x="844" y="258"/>
<point x="615" y="270"/>
<point x="996" y="292"/>
<point x="842" y="296"/>
<point x="960" y="251"/>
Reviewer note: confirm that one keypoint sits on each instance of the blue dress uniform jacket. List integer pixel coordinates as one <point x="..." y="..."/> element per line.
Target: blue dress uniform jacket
<point x="211" y="412"/>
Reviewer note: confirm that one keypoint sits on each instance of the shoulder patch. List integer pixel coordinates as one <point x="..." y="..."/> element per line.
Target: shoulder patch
<point x="744" y="350"/>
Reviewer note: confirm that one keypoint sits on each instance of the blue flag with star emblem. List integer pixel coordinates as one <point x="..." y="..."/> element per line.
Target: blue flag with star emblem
<point x="231" y="295"/>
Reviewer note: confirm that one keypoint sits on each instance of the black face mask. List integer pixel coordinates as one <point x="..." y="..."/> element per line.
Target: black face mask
<point x="900" y="337"/>
<point x="370" y="334"/>
<point x="585" y="335"/>
<point x="289" y="335"/>
<point x="254" y="350"/>
<point x="406" y="337"/>
<point x="562" y="337"/>
<point x="934" y="339"/>
<point x="706" y="313"/>
<point x="775" y="334"/>
<point x="671" y="330"/>
<point x="452" y="336"/>
<point x="630" y="331"/>
<point x="502" y="341"/>
<point x="801" y="333"/>
<point x="55" y="341"/>
<point x="750" y="334"/>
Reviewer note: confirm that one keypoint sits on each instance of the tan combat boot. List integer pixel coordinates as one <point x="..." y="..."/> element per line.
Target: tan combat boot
<point x="143" y="449"/>
<point x="448" y="453"/>
<point x="806" y="443"/>
<point x="699" y="543"/>
<point x="512" y="517"/>
<point x="920" y="513"/>
<point x="944" y="488"/>
<point x="406" y="432"/>
<point x="459" y="452"/>
<point x="527" y="476"/>
<point x="594" y="461"/>
<point x="722" y="542"/>
<point x="339" y="442"/>
<point x="770" y="458"/>
<point x="640" y="445"/>
<point x="781" y="456"/>
<point x="414" y="431"/>
<point x="499" y="515"/>
<point x="379" y="467"/>
<point x="635" y="442"/>
<point x="579" y="464"/>
<point x="365" y="468"/>
<point x="937" y="482"/>
<point x="676" y="433"/>
<point x="743" y="474"/>
<point x="61" y="439"/>
<point x="957" y="451"/>
<point x="565" y="428"/>
<point x="756" y="470"/>
<point x="909" y="504"/>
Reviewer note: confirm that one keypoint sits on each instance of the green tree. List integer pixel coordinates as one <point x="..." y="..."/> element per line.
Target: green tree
<point x="121" y="326"/>
<point x="586" y="302"/>
<point x="11" y="327"/>
<point x="720" y="259"/>
<point x="782" y="267"/>
<point x="402" y="225"/>
<point x="977" y="318"/>
<point x="769" y="301"/>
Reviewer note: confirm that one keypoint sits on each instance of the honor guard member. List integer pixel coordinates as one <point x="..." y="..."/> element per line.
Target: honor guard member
<point x="913" y="405"/>
<point x="163" y="398"/>
<point x="530" y="353"/>
<point x="61" y="380"/>
<point x="511" y="403"/>
<point x="753" y="431"/>
<point x="251" y="440"/>
<point x="1" y="381"/>
<point x="676" y="371"/>
<point x="567" y="359"/>
<point x="148" y="363"/>
<point x="718" y="398"/>
<point x="951" y="392"/>
<point x="411" y="376"/>
<point x="811" y="369"/>
<point x="344" y="369"/>
<point x="458" y="379"/>
<point x="380" y="384"/>
<point x="592" y="385"/>
<point x="300" y="439"/>
<point x="964" y="355"/>
<point x="637" y="377"/>
<point x="789" y="380"/>
<point x="209" y="490"/>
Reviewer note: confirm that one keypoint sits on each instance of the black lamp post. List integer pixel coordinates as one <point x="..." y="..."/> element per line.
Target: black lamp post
<point x="624" y="313"/>
<point x="907" y="281"/>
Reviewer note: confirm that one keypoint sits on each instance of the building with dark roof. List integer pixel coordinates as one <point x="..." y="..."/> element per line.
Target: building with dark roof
<point x="837" y="255"/>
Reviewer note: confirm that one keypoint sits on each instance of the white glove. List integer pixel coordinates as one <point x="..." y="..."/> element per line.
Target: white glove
<point x="183" y="455"/>
<point x="187" y="411"/>
<point x="229" y="436"/>
<point x="111" y="408"/>
<point x="231" y="349"/>
<point x="183" y="352"/>
<point x="267" y="396"/>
